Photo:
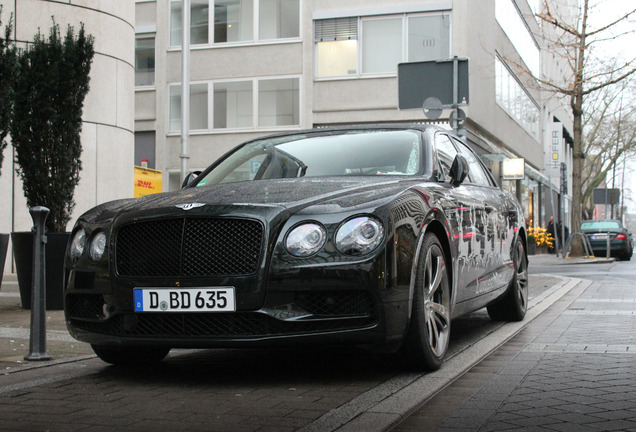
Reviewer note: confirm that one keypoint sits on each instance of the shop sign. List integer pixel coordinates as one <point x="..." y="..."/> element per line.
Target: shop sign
<point x="555" y="149"/>
<point x="514" y="169"/>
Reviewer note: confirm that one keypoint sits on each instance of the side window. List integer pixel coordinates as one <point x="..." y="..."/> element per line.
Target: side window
<point x="477" y="173"/>
<point x="446" y="153"/>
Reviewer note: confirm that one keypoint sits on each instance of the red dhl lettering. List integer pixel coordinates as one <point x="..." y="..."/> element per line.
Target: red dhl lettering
<point x="144" y="184"/>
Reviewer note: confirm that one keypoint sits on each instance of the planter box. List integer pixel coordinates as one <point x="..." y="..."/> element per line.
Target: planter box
<point x="4" y="246"/>
<point x="55" y="251"/>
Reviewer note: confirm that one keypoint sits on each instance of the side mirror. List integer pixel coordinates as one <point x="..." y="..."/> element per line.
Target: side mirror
<point x="190" y="178"/>
<point x="459" y="170"/>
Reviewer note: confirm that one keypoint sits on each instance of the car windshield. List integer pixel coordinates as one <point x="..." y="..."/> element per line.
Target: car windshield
<point x="348" y="153"/>
<point x="600" y="225"/>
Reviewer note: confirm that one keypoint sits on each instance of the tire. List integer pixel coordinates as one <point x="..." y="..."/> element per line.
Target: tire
<point x="428" y="337"/>
<point x="130" y="356"/>
<point x="514" y="304"/>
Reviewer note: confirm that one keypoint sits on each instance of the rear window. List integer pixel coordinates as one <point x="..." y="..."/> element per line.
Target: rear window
<point x="600" y="225"/>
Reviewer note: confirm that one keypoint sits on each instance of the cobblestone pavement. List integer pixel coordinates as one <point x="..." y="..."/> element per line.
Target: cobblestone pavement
<point x="572" y="369"/>
<point x="241" y="390"/>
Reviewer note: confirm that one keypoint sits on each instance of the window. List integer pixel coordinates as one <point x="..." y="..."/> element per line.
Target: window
<point x="145" y="60"/>
<point x="199" y="13"/>
<point x="233" y="104"/>
<point x="516" y="28"/>
<point x="233" y="20"/>
<point x="377" y="43"/>
<point x="278" y="101"/>
<point x="429" y="37"/>
<point x="395" y="153"/>
<point x="198" y="107"/>
<point x="476" y="173"/>
<point x="279" y="19"/>
<point x="227" y="21"/>
<point x="381" y="45"/>
<point x="512" y="97"/>
<point x="337" y="46"/>
<point x="446" y="152"/>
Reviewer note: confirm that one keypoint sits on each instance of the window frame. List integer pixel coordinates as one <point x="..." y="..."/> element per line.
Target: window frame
<point x="255" y="40"/>
<point x="255" y="108"/>
<point x="147" y="35"/>
<point x="404" y="16"/>
<point x="513" y="98"/>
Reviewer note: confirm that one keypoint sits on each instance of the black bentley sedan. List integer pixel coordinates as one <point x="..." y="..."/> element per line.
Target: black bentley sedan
<point x="374" y="236"/>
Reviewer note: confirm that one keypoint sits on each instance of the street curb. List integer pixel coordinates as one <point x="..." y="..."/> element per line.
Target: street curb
<point x="383" y="407"/>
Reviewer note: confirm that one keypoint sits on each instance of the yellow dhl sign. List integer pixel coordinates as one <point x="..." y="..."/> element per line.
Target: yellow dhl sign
<point x="147" y="181"/>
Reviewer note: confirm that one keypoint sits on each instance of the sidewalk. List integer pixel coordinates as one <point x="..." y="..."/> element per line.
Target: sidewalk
<point x="551" y="259"/>
<point x="572" y="368"/>
<point x="15" y="334"/>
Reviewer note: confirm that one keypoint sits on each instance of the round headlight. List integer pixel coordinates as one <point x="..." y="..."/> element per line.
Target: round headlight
<point x="97" y="246"/>
<point x="306" y="239"/>
<point x="77" y="245"/>
<point x="359" y="236"/>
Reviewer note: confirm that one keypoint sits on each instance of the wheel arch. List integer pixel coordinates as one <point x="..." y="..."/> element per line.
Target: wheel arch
<point x="524" y="241"/>
<point x="434" y="224"/>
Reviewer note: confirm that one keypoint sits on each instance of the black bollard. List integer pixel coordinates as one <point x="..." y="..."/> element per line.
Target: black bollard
<point x="37" y="347"/>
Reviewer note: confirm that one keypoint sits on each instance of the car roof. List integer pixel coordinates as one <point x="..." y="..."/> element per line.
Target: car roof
<point x="423" y="127"/>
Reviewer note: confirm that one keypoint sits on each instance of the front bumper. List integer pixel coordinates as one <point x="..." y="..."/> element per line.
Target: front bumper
<point x="331" y="305"/>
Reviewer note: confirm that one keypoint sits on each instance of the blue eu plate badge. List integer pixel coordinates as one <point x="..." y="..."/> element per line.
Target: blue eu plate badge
<point x="139" y="300"/>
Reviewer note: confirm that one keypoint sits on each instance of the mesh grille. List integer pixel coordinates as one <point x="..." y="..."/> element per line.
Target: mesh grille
<point x="189" y="247"/>
<point x="85" y="306"/>
<point x="336" y="303"/>
<point x="235" y="325"/>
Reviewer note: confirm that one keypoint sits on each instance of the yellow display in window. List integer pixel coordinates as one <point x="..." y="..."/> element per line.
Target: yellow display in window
<point x="147" y="181"/>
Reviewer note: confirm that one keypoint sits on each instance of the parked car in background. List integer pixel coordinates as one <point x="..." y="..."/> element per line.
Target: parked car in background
<point x="376" y="236"/>
<point x="599" y="232"/>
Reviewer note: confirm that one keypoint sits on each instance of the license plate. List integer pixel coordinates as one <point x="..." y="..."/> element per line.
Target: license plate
<point x="599" y="237"/>
<point x="212" y="299"/>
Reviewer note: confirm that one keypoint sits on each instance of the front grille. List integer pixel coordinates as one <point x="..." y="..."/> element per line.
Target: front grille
<point x="336" y="303"/>
<point x="189" y="247"/>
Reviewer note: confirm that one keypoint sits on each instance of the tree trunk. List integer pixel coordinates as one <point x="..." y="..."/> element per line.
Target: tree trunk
<point x="578" y="156"/>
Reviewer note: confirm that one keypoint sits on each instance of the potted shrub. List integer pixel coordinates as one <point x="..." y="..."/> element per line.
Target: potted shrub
<point x="7" y="77"/>
<point x="51" y="83"/>
<point x="542" y="239"/>
<point x="532" y="243"/>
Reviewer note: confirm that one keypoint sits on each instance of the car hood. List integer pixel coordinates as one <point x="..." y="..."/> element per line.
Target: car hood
<point x="291" y="195"/>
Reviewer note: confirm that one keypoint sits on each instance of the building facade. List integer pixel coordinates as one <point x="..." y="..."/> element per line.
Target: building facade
<point x="263" y="66"/>
<point x="266" y="66"/>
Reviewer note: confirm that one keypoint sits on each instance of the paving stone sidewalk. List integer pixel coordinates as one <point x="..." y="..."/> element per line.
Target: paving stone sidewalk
<point x="572" y="369"/>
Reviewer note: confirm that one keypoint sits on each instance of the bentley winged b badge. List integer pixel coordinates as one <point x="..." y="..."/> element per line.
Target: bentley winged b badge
<point x="189" y="206"/>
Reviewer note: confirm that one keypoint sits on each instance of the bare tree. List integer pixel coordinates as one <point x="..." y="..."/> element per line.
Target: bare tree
<point x="609" y="138"/>
<point x="575" y="42"/>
